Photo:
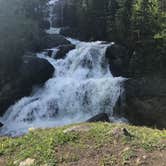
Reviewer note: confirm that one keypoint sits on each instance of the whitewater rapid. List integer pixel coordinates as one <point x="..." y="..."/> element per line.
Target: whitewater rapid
<point x="82" y="86"/>
<point x="51" y="5"/>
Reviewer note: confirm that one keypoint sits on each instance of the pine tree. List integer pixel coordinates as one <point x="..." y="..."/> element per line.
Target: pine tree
<point x="145" y="16"/>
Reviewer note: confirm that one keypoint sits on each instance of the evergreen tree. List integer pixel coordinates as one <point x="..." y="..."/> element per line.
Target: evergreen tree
<point x="145" y="16"/>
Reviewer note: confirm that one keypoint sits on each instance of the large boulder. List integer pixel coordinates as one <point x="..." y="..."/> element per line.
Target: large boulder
<point x="103" y="117"/>
<point x="118" y="59"/>
<point x="55" y="40"/>
<point x="146" y="101"/>
<point x="1" y="125"/>
<point x="33" y="71"/>
<point x="68" y="31"/>
<point x="63" y="50"/>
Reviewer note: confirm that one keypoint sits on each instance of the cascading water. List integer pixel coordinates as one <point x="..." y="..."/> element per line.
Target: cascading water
<point x="52" y="30"/>
<point x="82" y="86"/>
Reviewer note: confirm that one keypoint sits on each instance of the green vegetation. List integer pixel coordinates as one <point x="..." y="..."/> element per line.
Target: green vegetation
<point x="118" y="19"/>
<point x="139" y="25"/>
<point x="104" y="142"/>
<point x="38" y="144"/>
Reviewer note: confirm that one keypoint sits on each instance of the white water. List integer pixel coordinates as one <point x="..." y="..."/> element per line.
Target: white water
<point x="52" y="30"/>
<point x="82" y="86"/>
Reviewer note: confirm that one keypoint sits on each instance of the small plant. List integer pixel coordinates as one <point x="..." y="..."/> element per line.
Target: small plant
<point x="128" y="154"/>
<point x="108" y="161"/>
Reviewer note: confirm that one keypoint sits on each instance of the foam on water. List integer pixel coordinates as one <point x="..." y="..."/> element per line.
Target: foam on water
<point x="52" y="30"/>
<point x="82" y="86"/>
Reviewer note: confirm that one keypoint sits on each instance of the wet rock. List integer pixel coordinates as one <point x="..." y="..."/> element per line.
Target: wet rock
<point x="55" y="40"/>
<point x="33" y="71"/>
<point x="103" y="117"/>
<point x="1" y="125"/>
<point x="63" y="50"/>
<point x="118" y="60"/>
<point x="67" y="31"/>
<point x="49" y="53"/>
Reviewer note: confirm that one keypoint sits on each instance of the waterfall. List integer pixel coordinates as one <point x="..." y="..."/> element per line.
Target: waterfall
<point x="51" y="5"/>
<point x="81" y="87"/>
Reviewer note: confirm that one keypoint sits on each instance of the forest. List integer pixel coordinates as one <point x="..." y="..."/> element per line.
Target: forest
<point x="82" y="82"/>
<point x="139" y="25"/>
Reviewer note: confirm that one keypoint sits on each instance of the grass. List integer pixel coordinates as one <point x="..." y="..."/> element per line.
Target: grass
<point x="103" y="144"/>
<point x="37" y="144"/>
